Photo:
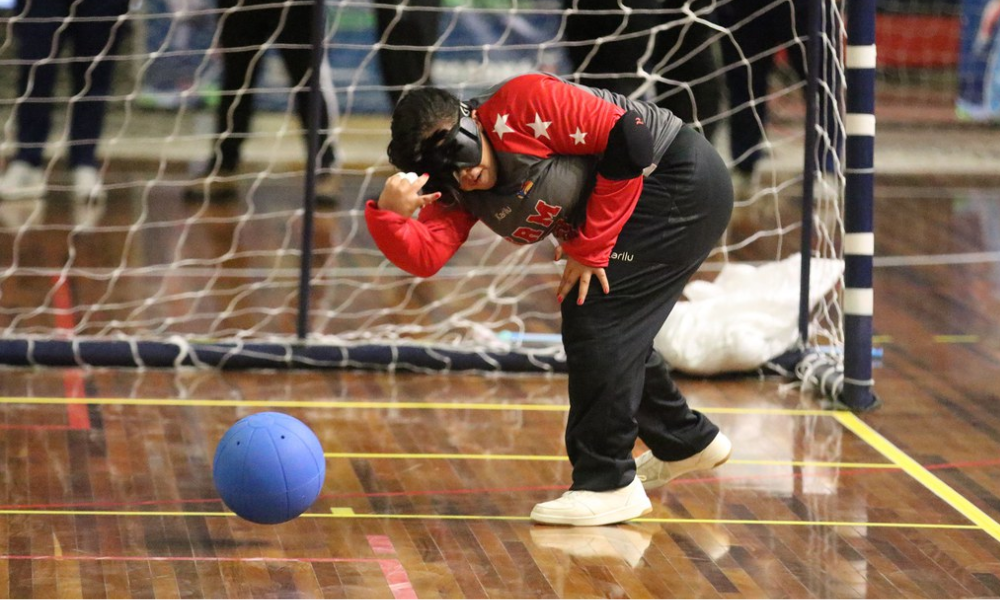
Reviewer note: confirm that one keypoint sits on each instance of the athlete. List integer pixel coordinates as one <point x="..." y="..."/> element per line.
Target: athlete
<point x="636" y="200"/>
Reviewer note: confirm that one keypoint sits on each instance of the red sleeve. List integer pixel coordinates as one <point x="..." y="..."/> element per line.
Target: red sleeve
<point x="610" y="206"/>
<point x="423" y="245"/>
<point x="541" y="115"/>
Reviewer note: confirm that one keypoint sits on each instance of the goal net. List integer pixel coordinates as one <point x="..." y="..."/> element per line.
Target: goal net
<point x="163" y="270"/>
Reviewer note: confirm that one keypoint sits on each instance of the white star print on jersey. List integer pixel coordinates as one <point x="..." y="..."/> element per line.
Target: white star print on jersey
<point x="501" y="127"/>
<point x="540" y="126"/>
<point x="560" y="167"/>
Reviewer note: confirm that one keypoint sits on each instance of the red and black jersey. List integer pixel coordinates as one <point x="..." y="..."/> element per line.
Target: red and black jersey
<point x="548" y="136"/>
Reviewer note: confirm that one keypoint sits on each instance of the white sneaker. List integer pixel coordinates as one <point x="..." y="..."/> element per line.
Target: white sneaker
<point x="88" y="213"/>
<point x="654" y="472"/>
<point x="22" y="181"/>
<point x="586" y="509"/>
<point x="87" y="185"/>
<point x="15" y="214"/>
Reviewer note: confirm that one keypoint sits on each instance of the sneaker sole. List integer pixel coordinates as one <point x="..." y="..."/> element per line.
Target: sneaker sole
<point x="724" y="460"/>
<point x="609" y="518"/>
<point x="652" y="485"/>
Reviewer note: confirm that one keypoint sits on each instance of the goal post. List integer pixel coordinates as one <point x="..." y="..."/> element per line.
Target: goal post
<point x="272" y="279"/>
<point x="859" y="236"/>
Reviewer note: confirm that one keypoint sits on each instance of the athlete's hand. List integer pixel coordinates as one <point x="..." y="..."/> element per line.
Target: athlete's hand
<point x="402" y="196"/>
<point x="578" y="272"/>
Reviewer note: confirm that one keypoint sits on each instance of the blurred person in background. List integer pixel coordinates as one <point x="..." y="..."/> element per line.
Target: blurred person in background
<point x="247" y="28"/>
<point x="413" y="23"/>
<point x="661" y="40"/>
<point x="758" y="28"/>
<point x="42" y="30"/>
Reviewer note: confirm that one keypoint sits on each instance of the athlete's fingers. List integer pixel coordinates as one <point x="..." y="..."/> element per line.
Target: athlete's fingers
<point x="584" y="287"/>
<point x="603" y="278"/>
<point x="566" y="284"/>
<point x="559" y="253"/>
<point x="429" y="198"/>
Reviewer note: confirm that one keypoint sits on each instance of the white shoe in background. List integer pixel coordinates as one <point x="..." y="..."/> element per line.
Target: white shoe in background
<point x="87" y="184"/>
<point x="327" y="190"/>
<point x="21" y="181"/>
<point x="584" y="508"/>
<point x="89" y="197"/>
<point x="826" y="203"/>
<point x="826" y="188"/>
<point x="87" y="212"/>
<point x="655" y="472"/>
<point x="15" y="214"/>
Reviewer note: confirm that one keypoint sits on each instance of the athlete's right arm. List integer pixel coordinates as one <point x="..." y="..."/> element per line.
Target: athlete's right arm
<point x="423" y="245"/>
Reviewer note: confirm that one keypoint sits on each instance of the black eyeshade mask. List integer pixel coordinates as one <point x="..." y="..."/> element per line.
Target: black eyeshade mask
<point x="460" y="148"/>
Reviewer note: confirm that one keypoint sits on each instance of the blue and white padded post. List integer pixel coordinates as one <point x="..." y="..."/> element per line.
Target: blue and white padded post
<point x="859" y="239"/>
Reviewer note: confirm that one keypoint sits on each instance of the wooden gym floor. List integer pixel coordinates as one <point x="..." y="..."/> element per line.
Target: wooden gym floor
<point x="107" y="488"/>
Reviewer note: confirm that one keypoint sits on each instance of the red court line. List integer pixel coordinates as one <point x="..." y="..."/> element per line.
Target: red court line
<point x="40" y="427"/>
<point x="77" y="414"/>
<point x="248" y="559"/>
<point x="381" y="544"/>
<point x="102" y="504"/>
<point x="109" y="504"/>
<point x="62" y="301"/>
<point x="393" y="570"/>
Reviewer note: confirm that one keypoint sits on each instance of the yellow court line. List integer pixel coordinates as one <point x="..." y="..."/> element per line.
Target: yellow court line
<point x="795" y="412"/>
<point x="771" y="522"/>
<point x="338" y="513"/>
<point x="874" y="439"/>
<point x="112" y="513"/>
<point x="815" y="463"/>
<point x="560" y="457"/>
<point x="956" y="339"/>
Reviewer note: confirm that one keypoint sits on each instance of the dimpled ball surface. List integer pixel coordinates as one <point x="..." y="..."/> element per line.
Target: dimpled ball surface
<point x="269" y="468"/>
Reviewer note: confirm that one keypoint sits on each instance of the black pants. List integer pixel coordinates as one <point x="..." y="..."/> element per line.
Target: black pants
<point x="94" y="31"/>
<point x="759" y="34"/>
<point x="619" y="387"/>
<point x="683" y="54"/>
<point x="416" y="25"/>
<point x="244" y="29"/>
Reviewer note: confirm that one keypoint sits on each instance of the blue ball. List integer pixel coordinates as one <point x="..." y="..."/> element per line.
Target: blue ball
<point x="269" y="468"/>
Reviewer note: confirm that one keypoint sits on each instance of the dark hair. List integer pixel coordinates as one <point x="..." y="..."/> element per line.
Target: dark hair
<point x="420" y="121"/>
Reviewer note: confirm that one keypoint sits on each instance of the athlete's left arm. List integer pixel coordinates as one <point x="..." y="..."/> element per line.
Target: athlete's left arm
<point x="559" y="118"/>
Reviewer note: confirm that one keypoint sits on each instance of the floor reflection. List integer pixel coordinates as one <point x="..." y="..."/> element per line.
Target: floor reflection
<point x="623" y="542"/>
<point x="984" y="205"/>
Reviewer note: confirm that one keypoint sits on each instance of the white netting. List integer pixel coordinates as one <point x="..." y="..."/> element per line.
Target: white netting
<point x="159" y="261"/>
